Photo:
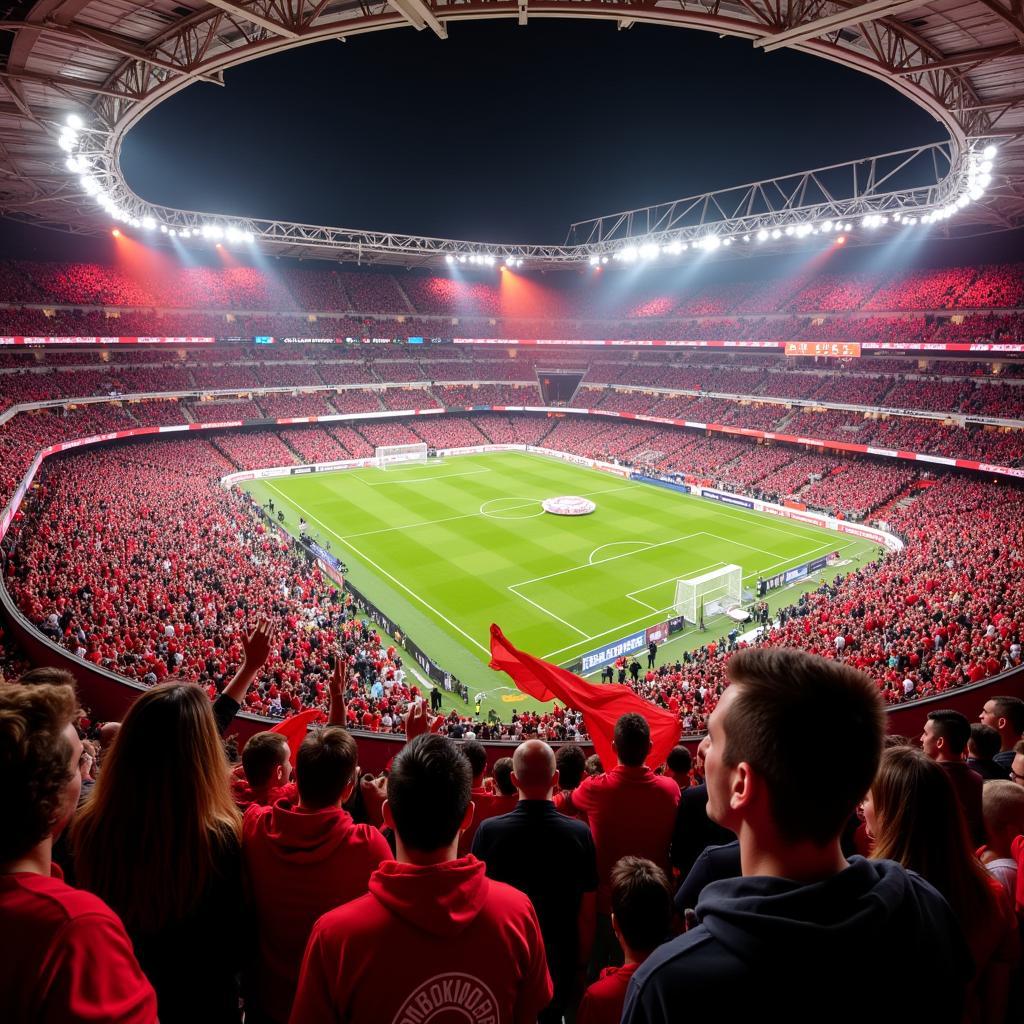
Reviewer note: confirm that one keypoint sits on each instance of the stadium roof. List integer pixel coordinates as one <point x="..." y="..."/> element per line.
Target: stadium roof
<point x="111" y="61"/>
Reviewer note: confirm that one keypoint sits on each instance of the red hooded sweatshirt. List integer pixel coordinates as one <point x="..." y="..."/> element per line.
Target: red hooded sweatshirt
<point x="435" y="943"/>
<point x="299" y="864"/>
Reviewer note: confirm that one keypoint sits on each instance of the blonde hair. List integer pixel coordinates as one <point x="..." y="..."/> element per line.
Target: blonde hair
<point x="1002" y="803"/>
<point x="34" y="755"/>
<point x="921" y="826"/>
<point x="148" y="838"/>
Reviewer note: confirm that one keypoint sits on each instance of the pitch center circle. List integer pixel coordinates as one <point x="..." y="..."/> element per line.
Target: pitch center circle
<point x="512" y="508"/>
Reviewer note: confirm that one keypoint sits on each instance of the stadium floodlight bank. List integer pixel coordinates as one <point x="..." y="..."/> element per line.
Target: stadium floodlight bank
<point x="399" y="454"/>
<point x="718" y="591"/>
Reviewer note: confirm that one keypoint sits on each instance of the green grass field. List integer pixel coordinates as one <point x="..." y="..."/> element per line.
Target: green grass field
<point x="448" y="547"/>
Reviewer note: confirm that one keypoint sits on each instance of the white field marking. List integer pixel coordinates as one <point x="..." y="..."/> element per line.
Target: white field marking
<point x="552" y="615"/>
<point x="452" y="519"/>
<point x="523" y="503"/>
<point x="614" y="544"/>
<point x="369" y="561"/>
<point x="622" y="627"/>
<point x="670" y="579"/>
<point x="612" y="558"/>
<point x="739" y="543"/>
<point x="424" y="479"/>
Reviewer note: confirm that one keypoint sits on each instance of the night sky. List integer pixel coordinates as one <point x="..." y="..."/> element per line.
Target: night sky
<point x="503" y="133"/>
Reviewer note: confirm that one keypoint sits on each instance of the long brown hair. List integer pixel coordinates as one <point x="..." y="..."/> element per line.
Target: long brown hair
<point x="921" y="826"/>
<point x="147" y="839"/>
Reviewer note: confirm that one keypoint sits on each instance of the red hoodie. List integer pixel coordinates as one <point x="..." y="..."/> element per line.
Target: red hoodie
<point x="299" y="864"/>
<point x="426" y="943"/>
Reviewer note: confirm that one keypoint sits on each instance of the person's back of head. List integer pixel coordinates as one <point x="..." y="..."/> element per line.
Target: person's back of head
<point x="264" y="759"/>
<point x="632" y="739"/>
<point x="571" y="763"/>
<point x="809" y="727"/>
<point x="1003" y="808"/>
<point x="325" y="768"/>
<point x="476" y="754"/>
<point x="533" y="768"/>
<point x="594" y="765"/>
<point x="503" y="777"/>
<point x="47" y="675"/>
<point x="915" y="817"/>
<point x="946" y="735"/>
<point x="641" y="906"/>
<point x="678" y="765"/>
<point x="428" y="794"/>
<point x="984" y="743"/>
<point x="38" y="764"/>
<point x="148" y="838"/>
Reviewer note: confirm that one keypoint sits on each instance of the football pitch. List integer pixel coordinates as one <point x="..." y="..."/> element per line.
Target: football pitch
<point x="447" y="547"/>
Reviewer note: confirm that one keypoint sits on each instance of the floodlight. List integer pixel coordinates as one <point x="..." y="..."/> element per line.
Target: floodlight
<point x="173" y="233"/>
<point x="989" y="152"/>
<point x="827" y="226"/>
<point x="776" y="233"/>
<point x="449" y="258"/>
<point x="163" y="229"/>
<point x="148" y="223"/>
<point x="762" y="235"/>
<point x="66" y="140"/>
<point x="185" y="233"/>
<point x="629" y="254"/>
<point x="648" y="251"/>
<point x="74" y="122"/>
<point x="249" y="237"/>
<point x="789" y="229"/>
<point x="594" y="260"/>
<point x="746" y="238"/>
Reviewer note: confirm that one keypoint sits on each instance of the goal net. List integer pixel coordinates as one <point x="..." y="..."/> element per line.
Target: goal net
<point x="398" y="454"/>
<point x="719" y="590"/>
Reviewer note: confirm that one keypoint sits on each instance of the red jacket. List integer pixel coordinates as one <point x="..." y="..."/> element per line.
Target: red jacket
<point x="299" y="864"/>
<point x="603" y="1001"/>
<point x="65" y="957"/>
<point x="423" y="939"/>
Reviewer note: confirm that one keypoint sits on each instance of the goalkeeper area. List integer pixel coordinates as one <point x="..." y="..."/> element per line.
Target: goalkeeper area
<point x="447" y="548"/>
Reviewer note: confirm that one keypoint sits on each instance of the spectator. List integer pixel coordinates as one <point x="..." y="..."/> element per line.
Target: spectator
<point x="945" y="738"/>
<point x="571" y="763"/>
<point x="642" y="920"/>
<point x="631" y="813"/>
<point x="266" y="762"/>
<point x="487" y="804"/>
<point x="159" y="842"/>
<point x="1006" y="716"/>
<point x="1003" y="804"/>
<point x="1017" y="766"/>
<point x="983" y="746"/>
<point x="678" y="765"/>
<point x="303" y="859"/>
<point x="64" y="954"/>
<point x="693" y="831"/>
<point x="912" y="813"/>
<point x="802" y="926"/>
<point x="453" y="938"/>
<point x="594" y="766"/>
<point x="551" y="858"/>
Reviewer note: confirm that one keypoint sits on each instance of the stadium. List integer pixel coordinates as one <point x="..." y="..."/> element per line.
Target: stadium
<point x="427" y="621"/>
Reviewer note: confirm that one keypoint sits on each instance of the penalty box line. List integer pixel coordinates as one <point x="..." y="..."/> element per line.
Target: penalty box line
<point x="369" y="561"/>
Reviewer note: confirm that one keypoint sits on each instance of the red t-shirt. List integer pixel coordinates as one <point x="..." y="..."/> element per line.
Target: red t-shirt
<point x="485" y="805"/>
<point x="65" y="957"/>
<point x="603" y="1001"/>
<point x="425" y="940"/>
<point x="299" y="864"/>
<point x="631" y="812"/>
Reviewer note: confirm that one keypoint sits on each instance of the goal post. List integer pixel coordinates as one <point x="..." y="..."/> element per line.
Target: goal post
<point x="399" y="454"/>
<point x="718" y="591"/>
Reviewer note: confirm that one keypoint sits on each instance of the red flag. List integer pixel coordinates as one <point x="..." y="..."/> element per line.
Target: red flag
<point x="602" y="706"/>
<point x="294" y="729"/>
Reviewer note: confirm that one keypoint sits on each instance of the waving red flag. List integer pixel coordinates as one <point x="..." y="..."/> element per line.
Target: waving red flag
<point x="602" y="706"/>
<point x="294" y="729"/>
